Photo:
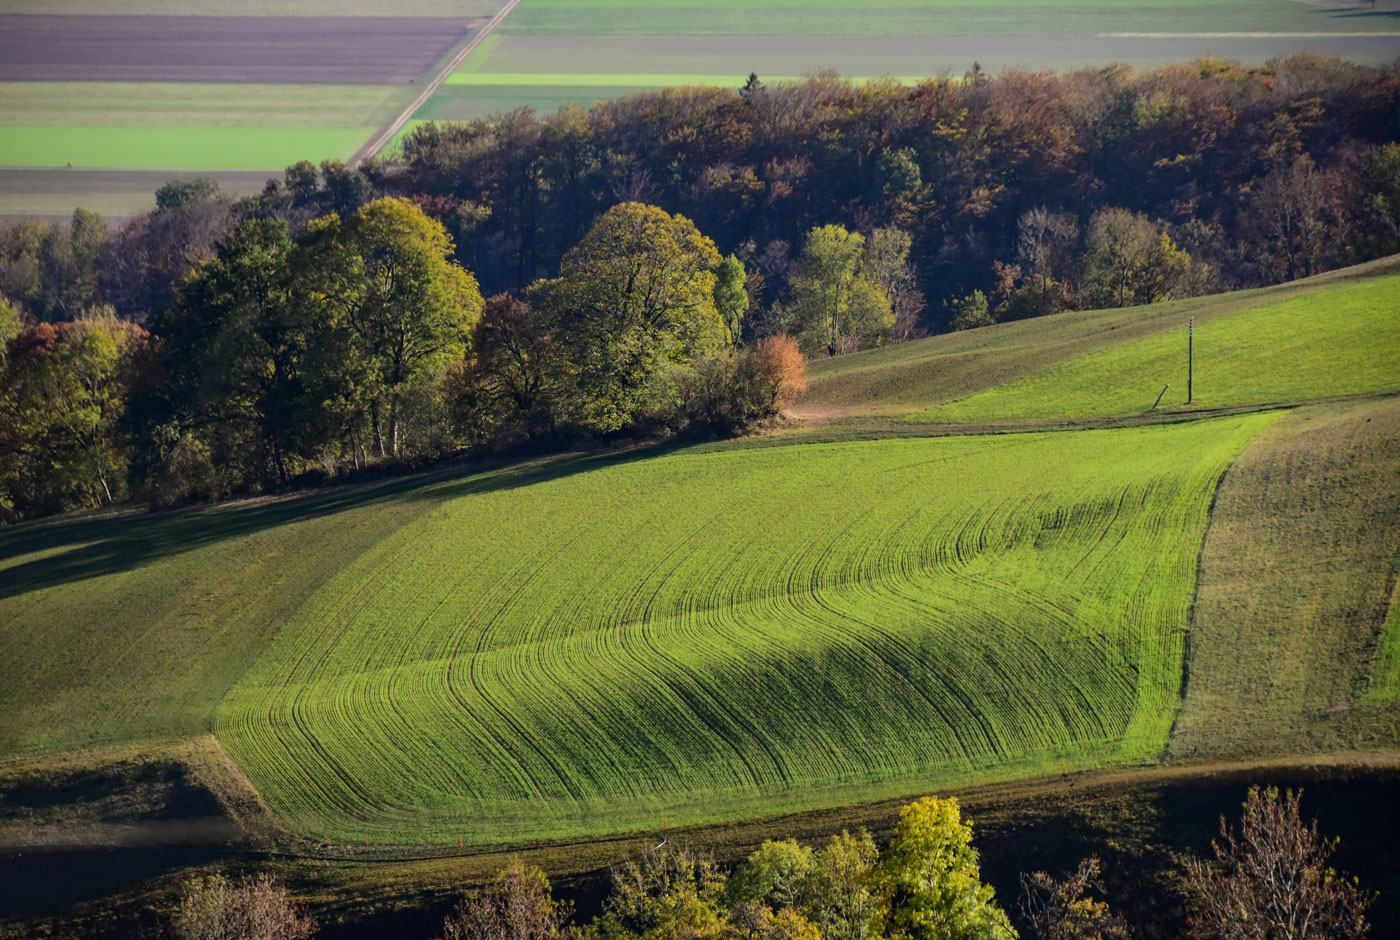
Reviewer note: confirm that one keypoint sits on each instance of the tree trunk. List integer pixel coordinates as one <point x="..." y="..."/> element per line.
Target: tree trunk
<point x="378" y="433"/>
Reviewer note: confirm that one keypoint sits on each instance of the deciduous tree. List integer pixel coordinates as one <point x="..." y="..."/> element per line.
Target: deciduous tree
<point x="518" y="905"/>
<point x="836" y="305"/>
<point x="933" y="875"/>
<point x="386" y="279"/>
<point x="1274" y="880"/>
<point x="637" y="292"/>
<point x="259" y="908"/>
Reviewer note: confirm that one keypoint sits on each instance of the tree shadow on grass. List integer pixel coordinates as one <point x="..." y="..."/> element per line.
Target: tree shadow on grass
<point x="102" y="545"/>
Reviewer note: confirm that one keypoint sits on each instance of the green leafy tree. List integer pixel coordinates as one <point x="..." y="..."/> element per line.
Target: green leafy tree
<point x="731" y="295"/>
<point x="64" y="391"/>
<point x="933" y="875"/>
<point x="846" y="899"/>
<point x="237" y="347"/>
<point x="1128" y="261"/>
<point x="670" y="893"/>
<point x="777" y="875"/>
<point x="401" y="310"/>
<point x="637" y="293"/>
<point x="970" y="312"/>
<point x="835" y="303"/>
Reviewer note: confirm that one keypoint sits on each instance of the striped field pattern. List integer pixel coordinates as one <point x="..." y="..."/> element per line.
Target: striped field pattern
<point x="735" y="631"/>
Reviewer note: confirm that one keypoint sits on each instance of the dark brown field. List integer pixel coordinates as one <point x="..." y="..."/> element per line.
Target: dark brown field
<point x="283" y="49"/>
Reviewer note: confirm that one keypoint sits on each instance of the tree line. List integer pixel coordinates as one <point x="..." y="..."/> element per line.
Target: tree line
<point x="361" y="342"/>
<point x="653" y="265"/>
<point x="1271" y="880"/>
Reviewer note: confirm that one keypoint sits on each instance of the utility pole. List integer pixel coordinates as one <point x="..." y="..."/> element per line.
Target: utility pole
<point x="1190" y="355"/>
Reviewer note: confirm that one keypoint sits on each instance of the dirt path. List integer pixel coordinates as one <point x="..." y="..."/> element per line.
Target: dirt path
<point x="381" y="140"/>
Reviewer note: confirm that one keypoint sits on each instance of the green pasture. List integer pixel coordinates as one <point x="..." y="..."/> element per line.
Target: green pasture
<point x="1281" y="351"/>
<point x="732" y="633"/>
<point x="959" y="375"/>
<point x="174" y="148"/>
<point x="926" y="17"/>
<point x="199" y="126"/>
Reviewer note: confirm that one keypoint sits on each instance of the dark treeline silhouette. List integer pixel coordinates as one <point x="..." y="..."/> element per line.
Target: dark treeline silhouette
<point x="655" y="264"/>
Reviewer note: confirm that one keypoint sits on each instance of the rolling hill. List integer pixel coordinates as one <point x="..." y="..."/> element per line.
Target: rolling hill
<point x="597" y="643"/>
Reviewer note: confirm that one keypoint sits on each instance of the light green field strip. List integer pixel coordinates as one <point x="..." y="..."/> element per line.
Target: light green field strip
<point x="623" y="80"/>
<point x="1283" y="351"/>
<point x="255" y="7"/>
<point x="739" y="632"/>
<point x="198" y="104"/>
<point x="175" y="148"/>
<point x="1387" y="681"/>
<point x="924" y="17"/>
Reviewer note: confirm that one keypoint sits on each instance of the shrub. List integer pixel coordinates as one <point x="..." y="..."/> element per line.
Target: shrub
<point x="258" y="908"/>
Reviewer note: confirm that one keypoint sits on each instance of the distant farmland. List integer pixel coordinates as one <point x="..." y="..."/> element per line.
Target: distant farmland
<point x="198" y="93"/>
<point x="600" y="49"/>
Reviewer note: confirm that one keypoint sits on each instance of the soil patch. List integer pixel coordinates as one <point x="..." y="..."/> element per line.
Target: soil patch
<point x="270" y="49"/>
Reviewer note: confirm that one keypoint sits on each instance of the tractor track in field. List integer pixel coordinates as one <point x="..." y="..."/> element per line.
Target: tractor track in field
<point x="379" y="141"/>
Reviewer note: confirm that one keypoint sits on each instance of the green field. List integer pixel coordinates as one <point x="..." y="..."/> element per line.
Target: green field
<point x="1333" y="335"/>
<point x="1275" y="352"/>
<point x="171" y="126"/>
<point x="254" y="8"/>
<point x="175" y="148"/>
<point x="925" y="17"/>
<point x="173" y="104"/>
<point x="548" y="53"/>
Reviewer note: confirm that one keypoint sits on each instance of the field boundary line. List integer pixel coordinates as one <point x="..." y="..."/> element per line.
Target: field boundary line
<point x="381" y="140"/>
<point x="1321" y="35"/>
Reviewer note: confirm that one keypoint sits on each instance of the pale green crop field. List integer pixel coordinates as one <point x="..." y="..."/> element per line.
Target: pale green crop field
<point x="925" y="17"/>
<point x="723" y="634"/>
<point x="548" y="53"/>
<point x="175" y="148"/>
<point x="1283" y="351"/>
<point x="174" y="126"/>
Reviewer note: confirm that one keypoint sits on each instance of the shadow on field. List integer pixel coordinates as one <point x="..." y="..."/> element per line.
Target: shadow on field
<point x="100" y="545"/>
<point x="44" y="882"/>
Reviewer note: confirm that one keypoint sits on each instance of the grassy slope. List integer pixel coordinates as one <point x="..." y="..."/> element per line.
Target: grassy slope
<point x="1276" y="352"/>
<point x="590" y="653"/>
<point x="189" y="601"/>
<point x="185" y="603"/>
<point x="1298" y="571"/>
<point x="1052" y="366"/>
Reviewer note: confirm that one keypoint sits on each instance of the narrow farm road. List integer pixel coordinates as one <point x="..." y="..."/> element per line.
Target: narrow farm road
<point x="381" y="140"/>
